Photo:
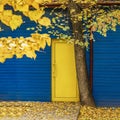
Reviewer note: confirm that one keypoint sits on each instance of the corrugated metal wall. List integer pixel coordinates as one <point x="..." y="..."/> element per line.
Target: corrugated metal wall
<point x="106" y="73"/>
<point x="27" y="79"/>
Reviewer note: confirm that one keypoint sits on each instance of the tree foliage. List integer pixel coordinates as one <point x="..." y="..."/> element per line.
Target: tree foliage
<point x="23" y="46"/>
<point x="94" y="18"/>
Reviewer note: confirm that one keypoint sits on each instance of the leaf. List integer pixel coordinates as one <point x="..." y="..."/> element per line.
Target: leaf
<point x="35" y="14"/>
<point x="19" y="55"/>
<point x="30" y="54"/>
<point x="6" y="19"/>
<point x="39" y="1"/>
<point x="63" y="6"/>
<point x="94" y="28"/>
<point x="66" y="28"/>
<point x="27" y="28"/>
<point x="16" y="22"/>
<point x="42" y="43"/>
<point x="48" y="1"/>
<point x="2" y="59"/>
<point x="22" y="8"/>
<point x="72" y="11"/>
<point x="1" y="8"/>
<point x="35" y="5"/>
<point x="53" y="20"/>
<point x="19" y="2"/>
<point x="28" y="2"/>
<point x="8" y="55"/>
<point x="86" y="44"/>
<point x="44" y="21"/>
<point x="7" y="12"/>
<point x="113" y="28"/>
<point x="35" y="47"/>
<point x="48" y="40"/>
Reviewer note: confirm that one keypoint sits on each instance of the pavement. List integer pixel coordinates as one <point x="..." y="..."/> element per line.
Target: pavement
<point x="39" y="110"/>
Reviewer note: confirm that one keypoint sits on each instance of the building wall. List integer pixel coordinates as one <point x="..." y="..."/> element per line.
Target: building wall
<point x="106" y="69"/>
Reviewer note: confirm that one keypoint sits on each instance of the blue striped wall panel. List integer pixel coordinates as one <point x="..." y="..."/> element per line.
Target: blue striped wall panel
<point x="27" y="79"/>
<point x="106" y="73"/>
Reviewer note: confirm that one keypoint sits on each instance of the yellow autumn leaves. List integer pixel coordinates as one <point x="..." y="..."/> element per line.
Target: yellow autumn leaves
<point x="34" y="3"/>
<point x="37" y="16"/>
<point x="106" y="21"/>
<point x="10" y="19"/>
<point x="23" y="46"/>
<point x="14" y="21"/>
<point x="100" y="113"/>
<point x="86" y="1"/>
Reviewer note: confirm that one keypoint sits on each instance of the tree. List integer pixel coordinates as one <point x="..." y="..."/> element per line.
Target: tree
<point x="87" y="16"/>
<point x="85" y="92"/>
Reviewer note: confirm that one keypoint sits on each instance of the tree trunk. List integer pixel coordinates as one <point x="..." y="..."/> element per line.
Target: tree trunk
<point x="85" y="93"/>
<point x="82" y="76"/>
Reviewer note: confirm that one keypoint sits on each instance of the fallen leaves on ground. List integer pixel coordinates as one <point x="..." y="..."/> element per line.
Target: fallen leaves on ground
<point x="39" y="110"/>
<point x="101" y="113"/>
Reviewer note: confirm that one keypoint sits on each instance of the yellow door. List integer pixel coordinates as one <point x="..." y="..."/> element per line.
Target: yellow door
<point x="64" y="82"/>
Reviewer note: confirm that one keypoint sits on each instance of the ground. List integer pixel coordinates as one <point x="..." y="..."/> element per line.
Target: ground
<point x="55" y="111"/>
<point x="101" y="113"/>
<point x="39" y="111"/>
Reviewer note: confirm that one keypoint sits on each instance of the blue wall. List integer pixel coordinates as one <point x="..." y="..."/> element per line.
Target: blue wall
<point x="28" y="79"/>
<point x="106" y="78"/>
